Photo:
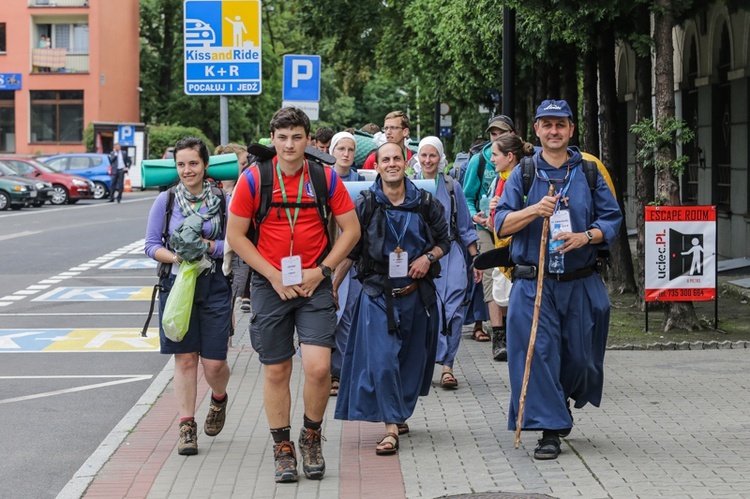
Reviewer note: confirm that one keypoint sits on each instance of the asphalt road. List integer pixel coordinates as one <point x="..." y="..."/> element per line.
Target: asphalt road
<point x="74" y="290"/>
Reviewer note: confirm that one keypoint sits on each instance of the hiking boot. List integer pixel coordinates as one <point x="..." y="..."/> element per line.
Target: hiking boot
<point x="499" y="349"/>
<point x="188" y="445"/>
<point x="217" y="414"/>
<point x="286" y="462"/>
<point x="311" y="449"/>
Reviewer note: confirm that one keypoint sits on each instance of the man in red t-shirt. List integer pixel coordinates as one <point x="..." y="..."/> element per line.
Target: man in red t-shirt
<point x="291" y="285"/>
<point x="396" y="130"/>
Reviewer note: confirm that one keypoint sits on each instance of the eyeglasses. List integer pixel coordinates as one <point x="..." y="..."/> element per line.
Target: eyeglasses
<point x="392" y="128"/>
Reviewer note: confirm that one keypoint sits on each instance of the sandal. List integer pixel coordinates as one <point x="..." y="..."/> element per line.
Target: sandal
<point x="403" y="428"/>
<point x="334" y="387"/>
<point x="548" y="447"/>
<point x="393" y="443"/>
<point x="480" y="335"/>
<point x="447" y="380"/>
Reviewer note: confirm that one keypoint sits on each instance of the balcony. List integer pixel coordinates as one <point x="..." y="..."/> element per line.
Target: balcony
<point x="55" y="61"/>
<point x="58" y="3"/>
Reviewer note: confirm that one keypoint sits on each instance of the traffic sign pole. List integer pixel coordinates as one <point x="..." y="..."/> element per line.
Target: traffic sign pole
<point x="224" y="119"/>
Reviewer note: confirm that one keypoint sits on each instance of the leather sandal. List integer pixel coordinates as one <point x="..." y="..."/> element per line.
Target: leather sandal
<point x="480" y="336"/>
<point x="448" y="381"/>
<point x="403" y="428"/>
<point x="548" y="447"/>
<point x="334" y="387"/>
<point x="388" y="450"/>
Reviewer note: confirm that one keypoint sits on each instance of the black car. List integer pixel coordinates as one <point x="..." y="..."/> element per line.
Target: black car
<point x="40" y="190"/>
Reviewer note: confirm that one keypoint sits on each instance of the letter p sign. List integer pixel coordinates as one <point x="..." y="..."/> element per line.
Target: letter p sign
<point x="301" y="78"/>
<point x="301" y="70"/>
<point x="126" y="135"/>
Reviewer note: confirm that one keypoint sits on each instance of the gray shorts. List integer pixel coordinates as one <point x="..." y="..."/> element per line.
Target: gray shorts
<point x="274" y="320"/>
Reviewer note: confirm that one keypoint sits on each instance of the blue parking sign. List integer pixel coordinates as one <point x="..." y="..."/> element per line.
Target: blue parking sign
<point x="126" y="135"/>
<point x="301" y="78"/>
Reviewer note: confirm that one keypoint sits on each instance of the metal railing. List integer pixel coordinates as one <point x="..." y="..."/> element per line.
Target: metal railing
<point x="58" y="3"/>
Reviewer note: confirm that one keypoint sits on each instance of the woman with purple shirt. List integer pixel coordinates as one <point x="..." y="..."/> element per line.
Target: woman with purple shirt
<point x="208" y="332"/>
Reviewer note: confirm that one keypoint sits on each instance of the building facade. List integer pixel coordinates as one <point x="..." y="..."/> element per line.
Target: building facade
<point x="65" y="64"/>
<point x="712" y="94"/>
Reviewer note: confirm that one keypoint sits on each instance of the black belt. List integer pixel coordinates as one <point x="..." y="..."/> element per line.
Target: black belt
<point x="530" y="272"/>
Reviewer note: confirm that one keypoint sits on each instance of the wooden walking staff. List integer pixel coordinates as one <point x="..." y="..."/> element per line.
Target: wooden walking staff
<point x="535" y="321"/>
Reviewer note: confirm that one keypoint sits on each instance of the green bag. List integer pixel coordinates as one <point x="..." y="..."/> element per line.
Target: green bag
<point x="176" y="318"/>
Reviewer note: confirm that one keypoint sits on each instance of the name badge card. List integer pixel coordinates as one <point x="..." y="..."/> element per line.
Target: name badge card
<point x="561" y="217"/>
<point x="291" y="270"/>
<point x="398" y="264"/>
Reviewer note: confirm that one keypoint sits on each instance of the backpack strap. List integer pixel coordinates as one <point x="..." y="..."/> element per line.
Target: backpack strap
<point x="320" y="189"/>
<point x="450" y="185"/>
<point x="481" y="168"/>
<point x="527" y="174"/>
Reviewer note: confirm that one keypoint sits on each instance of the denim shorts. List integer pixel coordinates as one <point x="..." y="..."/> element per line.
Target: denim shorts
<point x="210" y="318"/>
<point x="274" y="320"/>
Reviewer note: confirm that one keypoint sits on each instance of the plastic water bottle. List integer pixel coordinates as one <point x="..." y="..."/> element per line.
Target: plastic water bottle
<point x="484" y="205"/>
<point x="556" y="259"/>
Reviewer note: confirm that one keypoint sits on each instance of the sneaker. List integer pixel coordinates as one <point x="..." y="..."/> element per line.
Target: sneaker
<point x="217" y="414"/>
<point x="286" y="462"/>
<point x="188" y="445"/>
<point x="245" y="305"/>
<point x="499" y="349"/>
<point x="311" y="449"/>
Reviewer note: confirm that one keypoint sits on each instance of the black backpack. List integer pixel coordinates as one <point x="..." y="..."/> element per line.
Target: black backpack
<point x="365" y="266"/>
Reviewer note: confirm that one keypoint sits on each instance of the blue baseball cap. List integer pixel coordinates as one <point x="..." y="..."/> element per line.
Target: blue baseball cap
<point x="556" y="108"/>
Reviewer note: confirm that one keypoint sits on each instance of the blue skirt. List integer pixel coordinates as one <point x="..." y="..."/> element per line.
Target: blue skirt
<point x="384" y="373"/>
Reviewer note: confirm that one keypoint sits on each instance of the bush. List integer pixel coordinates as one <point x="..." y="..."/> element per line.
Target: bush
<point x="88" y="138"/>
<point x="162" y="136"/>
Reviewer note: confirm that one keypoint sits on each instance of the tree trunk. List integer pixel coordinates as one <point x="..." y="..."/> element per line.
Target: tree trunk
<point x="620" y="276"/>
<point x="644" y="177"/>
<point x="677" y="315"/>
<point x="569" y="84"/>
<point x="590" y="118"/>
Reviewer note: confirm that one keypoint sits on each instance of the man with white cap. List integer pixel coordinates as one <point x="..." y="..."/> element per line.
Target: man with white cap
<point x="476" y="185"/>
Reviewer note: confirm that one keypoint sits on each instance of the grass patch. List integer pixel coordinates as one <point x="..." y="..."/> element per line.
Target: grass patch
<point x="628" y="321"/>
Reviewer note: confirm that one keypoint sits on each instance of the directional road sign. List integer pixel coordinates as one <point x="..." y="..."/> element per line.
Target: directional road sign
<point x="301" y="86"/>
<point x="222" y="47"/>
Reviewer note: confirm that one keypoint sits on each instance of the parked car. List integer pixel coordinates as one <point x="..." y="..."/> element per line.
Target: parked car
<point x="94" y="167"/>
<point x="15" y="193"/>
<point x="65" y="188"/>
<point x="40" y="190"/>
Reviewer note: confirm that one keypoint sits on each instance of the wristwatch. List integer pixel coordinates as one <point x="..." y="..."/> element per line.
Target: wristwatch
<point x="325" y="269"/>
<point x="590" y="235"/>
<point x="430" y="257"/>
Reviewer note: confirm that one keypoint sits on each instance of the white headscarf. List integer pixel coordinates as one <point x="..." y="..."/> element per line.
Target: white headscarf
<point x="342" y="135"/>
<point x="434" y="142"/>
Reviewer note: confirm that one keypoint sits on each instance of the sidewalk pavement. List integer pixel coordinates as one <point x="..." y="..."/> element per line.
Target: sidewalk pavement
<point x="672" y="424"/>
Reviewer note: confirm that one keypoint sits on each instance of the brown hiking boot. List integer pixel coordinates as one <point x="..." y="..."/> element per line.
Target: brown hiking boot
<point x="188" y="445"/>
<point x="286" y="462"/>
<point x="311" y="448"/>
<point x="217" y="414"/>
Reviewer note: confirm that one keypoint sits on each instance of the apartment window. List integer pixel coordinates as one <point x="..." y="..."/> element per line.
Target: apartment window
<point x="57" y="116"/>
<point x="2" y="38"/>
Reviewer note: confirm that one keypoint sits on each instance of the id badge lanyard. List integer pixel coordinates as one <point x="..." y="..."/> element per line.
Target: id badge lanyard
<point x="399" y="238"/>
<point x="292" y="221"/>
<point x="564" y="191"/>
